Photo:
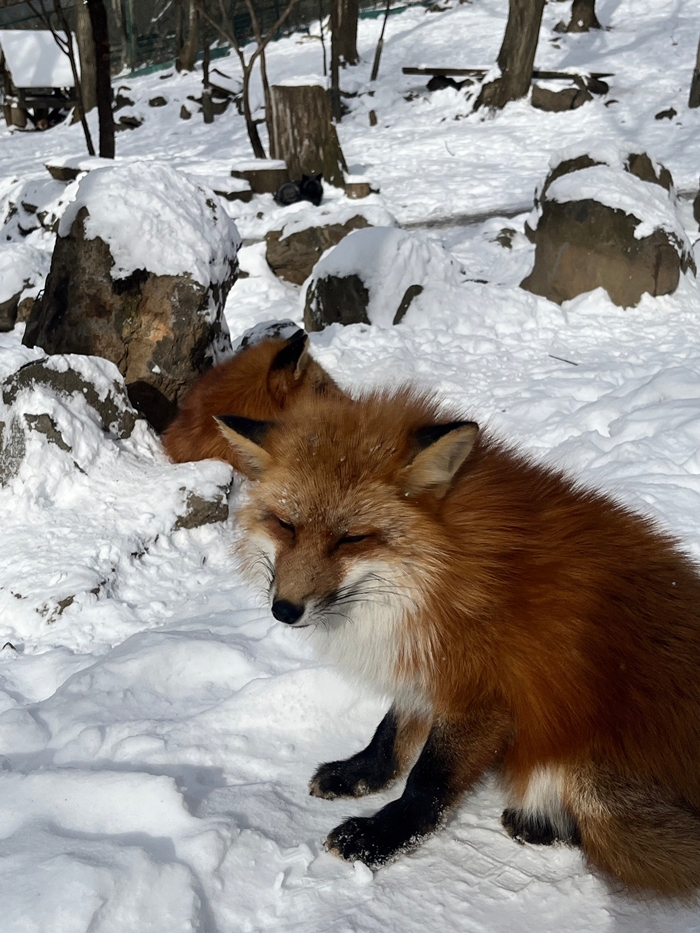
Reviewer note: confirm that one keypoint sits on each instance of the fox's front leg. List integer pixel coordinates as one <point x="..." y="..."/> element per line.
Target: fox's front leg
<point x="387" y="756"/>
<point x="453" y="758"/>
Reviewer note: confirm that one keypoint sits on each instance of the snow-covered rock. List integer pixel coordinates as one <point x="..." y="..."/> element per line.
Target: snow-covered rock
<point x="372" y="277"/>
<point x="143" y="264"/>
<point x="611" y="221"/>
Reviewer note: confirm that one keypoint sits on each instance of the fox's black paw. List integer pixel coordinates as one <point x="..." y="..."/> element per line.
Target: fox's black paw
<point x="361" y="839"/>
<point x="347" y="779"/>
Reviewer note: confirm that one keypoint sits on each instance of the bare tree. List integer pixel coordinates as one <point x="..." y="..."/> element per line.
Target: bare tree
<point x="517" y="55"/>
<point x="64" y="40"/>
<point x="583" y="16"/>
<point x="188" y="45"/>
<point x="344" y="17"/>
<point x="227" y="32"/>
<point x="103" y="83"/>
<point x="694" y="99"/>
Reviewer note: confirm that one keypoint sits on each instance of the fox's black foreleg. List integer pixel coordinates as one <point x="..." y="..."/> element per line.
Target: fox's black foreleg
<point x="392" y="750"/>
<point x="454" y="756"/>
<point x="366" y="772"/>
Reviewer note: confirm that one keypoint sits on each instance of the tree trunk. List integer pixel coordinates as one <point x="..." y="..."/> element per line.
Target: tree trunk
<point x="190" y="46"/>
<point x="583" y="16"/>
<point x="103" y="84"/>
<point x="86" y="53"/>
<point x="252" y="129"/>
<point x="344" y="16"/>
<point x="303" y="135"/>
<point x="694" y="99"/>
<point x="517" y="55"/>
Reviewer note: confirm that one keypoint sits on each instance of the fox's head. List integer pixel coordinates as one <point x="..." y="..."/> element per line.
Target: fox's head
<point x="341" y="518"/>
<point x="273" y="373"/>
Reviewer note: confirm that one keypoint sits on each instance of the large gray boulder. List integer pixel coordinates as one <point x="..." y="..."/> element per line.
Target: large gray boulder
<point x="610" y="224"/>
<point x="143" y="263"/>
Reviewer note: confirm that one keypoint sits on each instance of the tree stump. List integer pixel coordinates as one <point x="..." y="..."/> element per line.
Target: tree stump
<point x="263" y="175"/>
<point x="303" y="134"/>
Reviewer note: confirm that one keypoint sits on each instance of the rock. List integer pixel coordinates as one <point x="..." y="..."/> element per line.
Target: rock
<point x="666" y="114"/>
<point x="200" y="511"/>
<point x="66" y="421"/>
<point x="153" y="307"/>
<point x="80" y="389"/>
<point x="108" y="400"/>
<point x="128" y="123"/>
<point x="608" y="224"/>
<point x="335" y="299"/>
<point x="292" y="257"/>
<point x="569" y="98"/>
<point x="63" y="172"/>
<point x="373" y="276"/>
<point x="8" y="312"/>
<point x="157" y="102"/>
<point x="184" y="113"/>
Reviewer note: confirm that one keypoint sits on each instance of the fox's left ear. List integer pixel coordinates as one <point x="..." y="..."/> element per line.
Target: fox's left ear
<point x="443" y="448"/>
<point x="245" y="436"/>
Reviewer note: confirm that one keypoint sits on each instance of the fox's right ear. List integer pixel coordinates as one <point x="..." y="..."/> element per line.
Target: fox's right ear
<point x="442" y="449"/>
<point x="245" y="436"/>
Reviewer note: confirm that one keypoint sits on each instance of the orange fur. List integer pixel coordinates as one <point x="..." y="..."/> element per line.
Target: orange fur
<point x="548" y="633"/>
<point x="249" y="384"/>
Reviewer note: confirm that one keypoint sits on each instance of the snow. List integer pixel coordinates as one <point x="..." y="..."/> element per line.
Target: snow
<point x="21" y="267"/>
<point x="35" y="60"/>
<point x="182" y="227"/>
<point x="157" y="733"/>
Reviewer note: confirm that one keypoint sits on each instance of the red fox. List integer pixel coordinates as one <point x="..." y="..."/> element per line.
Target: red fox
<point x="523" y="625"/>
<point x="259" y="382"/>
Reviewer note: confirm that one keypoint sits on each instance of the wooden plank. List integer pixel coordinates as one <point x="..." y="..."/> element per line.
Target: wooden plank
<point x="480" y="72"/>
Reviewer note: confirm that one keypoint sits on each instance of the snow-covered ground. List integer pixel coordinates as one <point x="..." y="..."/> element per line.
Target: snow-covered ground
<point x="157" y="727"/>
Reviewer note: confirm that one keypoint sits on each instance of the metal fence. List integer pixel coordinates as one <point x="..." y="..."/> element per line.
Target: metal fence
<point x="144" y="33"/>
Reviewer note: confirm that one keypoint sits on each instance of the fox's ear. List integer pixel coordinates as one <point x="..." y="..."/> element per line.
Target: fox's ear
<point x="294" y="355"/>
<point x="443" y="448"/>
<point x="245" y="436"/>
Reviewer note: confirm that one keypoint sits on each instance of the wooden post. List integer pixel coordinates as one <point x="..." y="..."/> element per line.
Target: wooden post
<point x="303" y="135"/>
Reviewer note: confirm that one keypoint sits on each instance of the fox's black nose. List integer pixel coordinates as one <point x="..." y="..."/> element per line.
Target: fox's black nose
<point x="287" y="612"/>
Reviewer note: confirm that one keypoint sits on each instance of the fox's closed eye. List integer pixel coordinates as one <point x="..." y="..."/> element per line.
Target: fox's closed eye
<point x="288" y="526"/>
<point x="354" y="539"/>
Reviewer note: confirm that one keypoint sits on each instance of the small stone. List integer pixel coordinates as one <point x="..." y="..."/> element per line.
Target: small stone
<point x="200" y="511"/>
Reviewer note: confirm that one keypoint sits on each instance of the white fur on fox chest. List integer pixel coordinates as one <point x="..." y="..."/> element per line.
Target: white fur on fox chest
<point x="366" y="642"/>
